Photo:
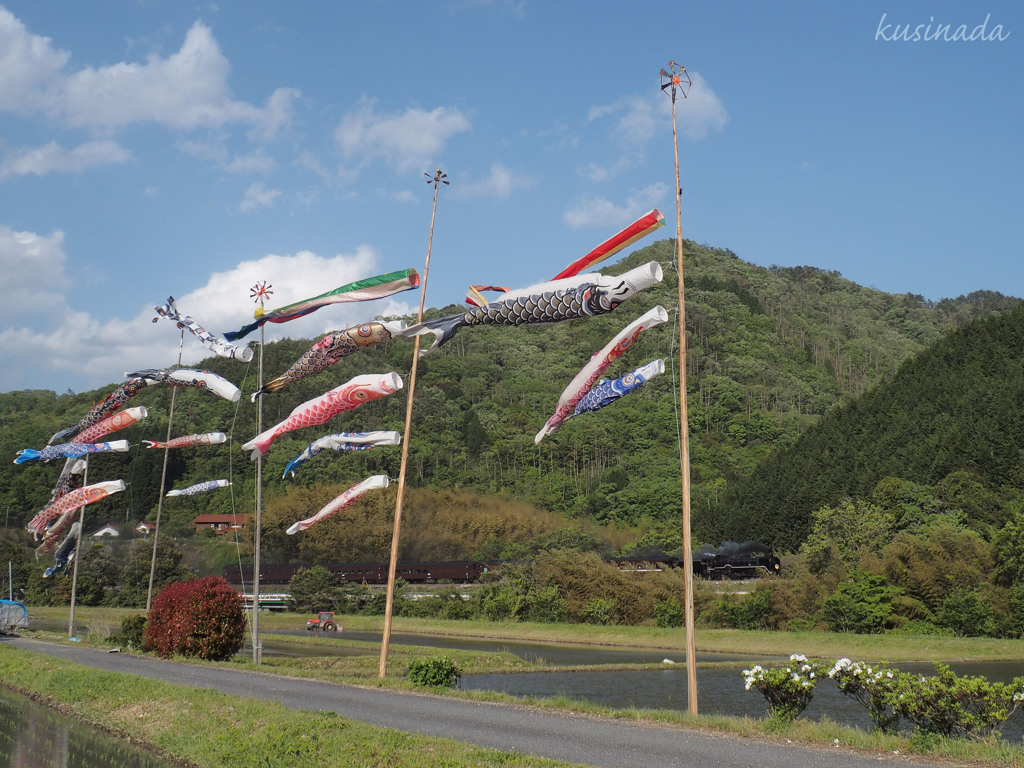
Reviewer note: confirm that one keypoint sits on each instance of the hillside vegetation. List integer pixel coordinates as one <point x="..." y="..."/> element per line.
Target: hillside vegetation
<point x="873" y="437"/>
<point x="770" y="352"/>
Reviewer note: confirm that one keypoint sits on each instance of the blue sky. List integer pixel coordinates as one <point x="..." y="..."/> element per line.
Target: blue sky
<point x="157" y="148"/>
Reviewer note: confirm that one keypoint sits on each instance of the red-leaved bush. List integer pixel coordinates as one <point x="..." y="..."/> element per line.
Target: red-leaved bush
<point x="202" y="618"/>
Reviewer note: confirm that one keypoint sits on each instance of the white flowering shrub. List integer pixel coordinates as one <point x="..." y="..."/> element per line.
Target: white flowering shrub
<point x="946" y="703"/>
<point x="872" y="686"/>
<point x="788" y="689"/>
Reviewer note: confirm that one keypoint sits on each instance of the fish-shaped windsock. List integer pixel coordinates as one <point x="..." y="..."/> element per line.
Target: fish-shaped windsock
<point x="65" y="552"/>
<point x="343" y="441"/>
<point x="605" y="391"/>
<point x="69" y="450"/>
<point x="552" y="302"/>
<point x="332" y="348"/>
<point x="102" y="409"/>
<point x="598" y="363"/>
<point x="72" y="501"/>
<point x="188" y="377"/>
<point x="216" y="345"/>
<point x="192" y="490"/>
<point x="113" y="423"/>
<point x="185" y="441"/>
<point x="351" y="394"/>
<point x="342" y="501"/>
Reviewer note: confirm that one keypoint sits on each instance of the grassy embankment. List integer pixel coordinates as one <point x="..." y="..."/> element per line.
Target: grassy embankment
<point x="360" y="668"/>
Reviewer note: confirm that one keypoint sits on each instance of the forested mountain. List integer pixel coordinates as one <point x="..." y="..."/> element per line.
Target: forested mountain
<point x="952" y="416"/>
<point x="770" y="352"/>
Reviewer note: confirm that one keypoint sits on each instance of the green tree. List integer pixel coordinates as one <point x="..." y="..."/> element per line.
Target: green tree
<point x="966" y="614"/>
<point x="862" y="605"/>
<point x="1008" y="546"/>
<point x="135" y="577"/>
<point x="845" y="532"/>
<point x="315" y="589"/>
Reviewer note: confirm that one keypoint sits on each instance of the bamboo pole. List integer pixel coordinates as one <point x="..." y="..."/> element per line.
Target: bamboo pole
<point x="259" y="293"/>
<point x="257" y="648"/>
<point x="437" y="180"/>
<point x="163" y="481"/>
<point x="78" y="552"/>
<point x="676" y="80"/>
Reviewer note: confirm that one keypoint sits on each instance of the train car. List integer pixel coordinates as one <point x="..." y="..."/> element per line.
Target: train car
<point x="363" y="573"/>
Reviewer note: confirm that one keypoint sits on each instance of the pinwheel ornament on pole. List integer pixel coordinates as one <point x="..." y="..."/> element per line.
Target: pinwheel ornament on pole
<point x="675" y="81"/>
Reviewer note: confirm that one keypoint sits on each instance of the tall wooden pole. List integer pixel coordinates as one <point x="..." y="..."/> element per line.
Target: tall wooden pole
<point x="437" y="180"/>
<point x="78" y="552"/>
<point x="675" y="81"/>
<point x="260" y="293"/>
<point x="163" y="481"/>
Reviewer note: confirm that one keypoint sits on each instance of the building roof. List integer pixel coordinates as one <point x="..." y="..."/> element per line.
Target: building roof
<point x="224" y="519"/>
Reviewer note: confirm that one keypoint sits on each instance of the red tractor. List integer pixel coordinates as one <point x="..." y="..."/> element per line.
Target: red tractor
<point x="323" y="621"/>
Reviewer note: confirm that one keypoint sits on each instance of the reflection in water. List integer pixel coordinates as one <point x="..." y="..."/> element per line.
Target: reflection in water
<point x="34" y="736"/>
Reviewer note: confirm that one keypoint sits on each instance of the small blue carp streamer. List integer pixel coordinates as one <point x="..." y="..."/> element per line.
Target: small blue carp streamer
<point x="605" y="391"/>
<point x="343" y="441"/>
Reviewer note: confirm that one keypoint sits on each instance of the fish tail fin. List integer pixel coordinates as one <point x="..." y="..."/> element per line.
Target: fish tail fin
<point x="271" y="386"/>
<point x="63" y="436"/>
<point x="443" y="329"/>
<point x="260" y="444"/>
<point x="27" y="454"/>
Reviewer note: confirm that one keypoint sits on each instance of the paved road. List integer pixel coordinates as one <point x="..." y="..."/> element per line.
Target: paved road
<point x="585" y="740"/>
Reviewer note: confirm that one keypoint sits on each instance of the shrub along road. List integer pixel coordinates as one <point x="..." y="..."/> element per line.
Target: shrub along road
<point x="587" y="740"/>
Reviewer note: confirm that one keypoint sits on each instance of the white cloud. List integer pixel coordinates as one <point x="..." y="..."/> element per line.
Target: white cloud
<point x="258" y="195"/>
<point x="185" y="90"/>
<point x="500" y="183"/>
<point x="639" y="118"/>
<point x="30" y="69"/>
<point x="407" y="141"/>
<point x="599" y="211"/>
<point x="52" y="158"/>
<point x="89" y="353"/>
<point x="33" y="270"/>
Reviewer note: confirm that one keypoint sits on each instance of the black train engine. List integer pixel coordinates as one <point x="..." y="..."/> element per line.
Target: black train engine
<point x="749" y="560"/>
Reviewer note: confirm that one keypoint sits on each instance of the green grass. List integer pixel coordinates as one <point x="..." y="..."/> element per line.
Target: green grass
<point x="206" y="728"/>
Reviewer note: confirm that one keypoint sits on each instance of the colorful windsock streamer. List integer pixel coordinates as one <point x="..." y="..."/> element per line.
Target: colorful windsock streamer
<point x="642" y="227"/>
<point x="69" y="451"/>
<point x="598" y="363"/>
<point x="371" y="483"/>
<point x="102" y="409"/>
<point x="351" y="394"/>
<point x="113" y="423"/>
<point x="572" y="297"/>
<point x="606" y="392"/>
<point x="192" y="490"/>
<point x="343" y="441"/>
<point x="72" y="501"/>
<point x="213" y="343"/>
<point x="332" y="348"/>
<point x="369" y="289"/>
<point x="188" y="377"/>
<point x="187" y="441"/>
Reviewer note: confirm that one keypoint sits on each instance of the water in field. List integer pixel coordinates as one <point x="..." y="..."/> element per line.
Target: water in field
<point x="36" y="736"/>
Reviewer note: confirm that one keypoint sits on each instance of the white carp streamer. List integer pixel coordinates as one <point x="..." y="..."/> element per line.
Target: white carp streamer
<point x="371" y="483"/>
